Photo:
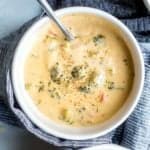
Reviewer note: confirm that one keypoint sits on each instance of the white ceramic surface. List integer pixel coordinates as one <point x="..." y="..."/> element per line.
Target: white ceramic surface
<point x="106" y="147"/>
<point x="147" y="4"/>
<point x="67" y="132"/>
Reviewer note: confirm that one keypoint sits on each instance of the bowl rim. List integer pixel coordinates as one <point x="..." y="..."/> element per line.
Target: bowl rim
<point x="89" y="10"/>
<point x="147" y="4"/>
<point x="105" y="147"/>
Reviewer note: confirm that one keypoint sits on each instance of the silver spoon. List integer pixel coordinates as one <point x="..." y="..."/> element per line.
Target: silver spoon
<point x="49" y="11"/>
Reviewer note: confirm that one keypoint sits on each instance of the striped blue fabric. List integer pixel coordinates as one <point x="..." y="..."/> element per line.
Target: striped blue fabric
<point x="135" y="132"/>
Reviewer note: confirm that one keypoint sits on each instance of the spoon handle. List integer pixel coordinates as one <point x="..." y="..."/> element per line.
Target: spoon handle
<point x="49" y="11"/>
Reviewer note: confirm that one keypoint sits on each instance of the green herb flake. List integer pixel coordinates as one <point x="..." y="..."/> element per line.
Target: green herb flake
<point x="69" y="121"/>
<point x="47" y="37"/>
<point x="89" y="84"/>
<point x="91" y="53"/>
<point x="91" y="78"/>
<point x="57" y="95"/>
<point x="77" y="72"/>
<point x="110" y="71"/>
<point x="98" y="39"/>
<point x="110" y="85"/>
<point x="39" y="101"/>
<point x="54" y="93"/>
<point x="83" y="108"/>
<point x="54" y="74"/>
<point x="28" y="86"/>
<point x="125" y="60"/>
<point x="65" y="39"/>
<point x="97" y="109"/>
<point x="119" y="88"/>
<point x="101" y="60"/>
<point x="84" y="89"/>
<point x="49" y="83"/>
<point x="41" y="88"/>
<point x="34" y="55"/>
<point x="76" y="37"/>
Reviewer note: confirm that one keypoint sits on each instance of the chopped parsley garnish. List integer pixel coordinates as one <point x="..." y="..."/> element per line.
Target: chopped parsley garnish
<point x="49" y="83"/>
<point x="89" y="84"/>
<point x="54" y="93"/>
<point x="39" y="101"/>
<point x="125" y="61"/>
<point x="91" y="53"/>
<point x="101" y="60"/>
<point x="54" y="74"/>
<point x="91" y="77"/>
<point x="98" y="39"/>
<point x="79" y="72"/>
<point x="84" y="89"/>
<point x="110" y="85"/>
<point x="76" y="72"/>
<point x="41" y="86"/>
<point x="27" y="86"/>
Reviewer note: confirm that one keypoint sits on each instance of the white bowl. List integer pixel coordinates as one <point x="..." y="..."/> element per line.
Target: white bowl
<point x="106" y="147"/>
<point x="147" y="4"/>
<point x="67" y="132"/>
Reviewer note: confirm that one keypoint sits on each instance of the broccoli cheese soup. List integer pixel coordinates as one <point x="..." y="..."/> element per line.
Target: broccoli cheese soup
<point x="80" y="82"/>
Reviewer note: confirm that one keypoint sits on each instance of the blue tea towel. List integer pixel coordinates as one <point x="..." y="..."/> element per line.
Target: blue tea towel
<point x="135" y="132"/>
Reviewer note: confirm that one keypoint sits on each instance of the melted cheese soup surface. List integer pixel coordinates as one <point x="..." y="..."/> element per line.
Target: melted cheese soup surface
<point x="80" y="82"/>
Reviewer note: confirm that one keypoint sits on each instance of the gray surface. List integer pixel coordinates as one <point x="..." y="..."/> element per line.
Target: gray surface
<point x="13" y="138"/>
<point x="13" y="14"/>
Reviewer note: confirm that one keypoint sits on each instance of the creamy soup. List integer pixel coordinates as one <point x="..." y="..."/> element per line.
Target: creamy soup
<point x="80" y="82"/>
